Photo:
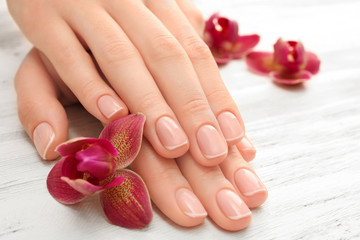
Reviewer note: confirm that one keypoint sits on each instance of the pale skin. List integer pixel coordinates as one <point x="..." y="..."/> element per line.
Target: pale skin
<point x="146" y="56"/>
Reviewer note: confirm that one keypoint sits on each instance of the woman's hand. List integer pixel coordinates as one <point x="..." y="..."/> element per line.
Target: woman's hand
<point x="182" y="189"/>
<point x="155" y="62"/>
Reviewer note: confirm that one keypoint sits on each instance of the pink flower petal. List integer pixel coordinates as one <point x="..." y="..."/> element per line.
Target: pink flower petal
<point x="59" y="189"/>
<point x="126" y="135"/>
<point x="289" y="56"/>
<point x="220" y="29"/>
<point x="88" y="188"/>
<point x="244" y="44"/>
<point x="291" y="80"/>
<point x="128" y="204"/>
<point x="96" y="160"/>
<point x="69" y="168"/>
<point x="73" y="145"/>
<point x="76" y="144"/>
<point x="82" y="186"/>
<point x="260" y="62"/>
<point x="312" y="63"/>
<point x="221" y="59"/>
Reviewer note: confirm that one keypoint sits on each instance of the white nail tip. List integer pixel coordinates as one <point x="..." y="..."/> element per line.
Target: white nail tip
<point x="240" y="216"/>
<point x="196" y="215"/>
<point x="170" y="148"/>
<point x="215" y="156"/>
<point x="48" y="146"/>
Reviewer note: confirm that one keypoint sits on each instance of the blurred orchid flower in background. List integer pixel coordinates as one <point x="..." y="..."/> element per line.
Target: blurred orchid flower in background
<point x="90" y="165"/>
<point x="222" y="37"/>
<point x="288" y="64"/>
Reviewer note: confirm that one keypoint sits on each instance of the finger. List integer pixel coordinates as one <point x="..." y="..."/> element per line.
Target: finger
<point x="175" y="77"/>
<point x="244" y="179"/>
<point x="203" y="62"/>
<point x="78" y="71"/>
<point x="127" y="73"/>
<point x="41" y="114"/>
<point x="193" y="14"/>
<point x="247" y="149"/>
<point x="168" y="189"/>
<point x="216" y="193"/>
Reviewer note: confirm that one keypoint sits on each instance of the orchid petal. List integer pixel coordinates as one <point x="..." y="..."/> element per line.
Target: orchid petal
<point x="260" y="62"/>
<point x="73" y="145"/>
<point x="289" y="56"/>
<point x="96" y="161"/>
<point x="59" y="189"/>
<point x="244" y="44"/>
<point x="222" y="58"/>
<point x="82" y="186"/>
<point x="69" y="168"/>
<point x="128" y="204"/>
<point x="126" y="136"/>
<point x="219" y="29"/>
<point x="88" y="188"/>
<point x="76" y="144"/>
<point x="291" y="80"/>
<point x="312" y="63"/>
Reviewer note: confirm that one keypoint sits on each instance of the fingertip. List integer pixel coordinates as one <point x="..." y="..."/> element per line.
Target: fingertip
<point x="41" y="114"/>
<point x="49" y="130"/>
<point x="168" y="188"/>
<point x="43" y="137"/>
<point x="112" y="107"/>
<point x="257" y="199"/>
<point x="247" y="149"/>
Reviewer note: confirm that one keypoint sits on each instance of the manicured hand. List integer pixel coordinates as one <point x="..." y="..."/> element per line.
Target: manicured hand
<point x="183" y="190"/>
<point x="155" y="62"/>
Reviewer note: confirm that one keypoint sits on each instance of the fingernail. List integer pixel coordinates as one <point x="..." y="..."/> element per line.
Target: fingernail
<point x="189" y="203"/>
<point x="170" y="133"/>
<point x="232" y="205"/>
<point x="246" y="144"/>
<point x="211" y="143"/>
<point x="230" y="126"/>
<point x="43" y="136"/>
<point x="108" y="106"/>
<point x="248" y="183"/>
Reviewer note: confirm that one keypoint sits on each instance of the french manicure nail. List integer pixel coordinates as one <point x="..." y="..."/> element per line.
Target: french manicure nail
<point x="189" y="203"/>
<point x="232" y="205"/>
<point x="230" y="126"/>
<point x="248" y="183"/>
<point x="108" y="106"/>
<point x="170" y="133"/>
<point x="43" y="136"/>
<point x="211" y="143"/>
<point x="246" y="144"/>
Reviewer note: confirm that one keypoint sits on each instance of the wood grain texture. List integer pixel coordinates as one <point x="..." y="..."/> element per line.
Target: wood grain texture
<point x="308" y="138"/>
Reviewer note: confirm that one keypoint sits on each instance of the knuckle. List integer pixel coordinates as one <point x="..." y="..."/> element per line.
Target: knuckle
<point x="218" y="94"/>
<point x="196" y="17"/>
<point x="222" y="98"/>
<point x="164" y="174"/>
<point x="148" y="102"/>
<point x="166" y="47"/>
<point x="116" y="51"/>
<point x="195" y="106"/>
<point x="65" y="57"/>
<point x="86" y="92"/>
<point x="210" y="173"/>
<point x="196" y="48"/>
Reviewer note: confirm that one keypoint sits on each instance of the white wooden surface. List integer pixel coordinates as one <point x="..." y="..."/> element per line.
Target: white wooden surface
<point x="308" y="138"/>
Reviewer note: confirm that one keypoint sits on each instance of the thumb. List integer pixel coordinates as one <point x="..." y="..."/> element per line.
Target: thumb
<point x="40" y="112"/>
